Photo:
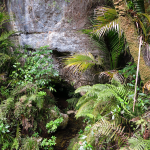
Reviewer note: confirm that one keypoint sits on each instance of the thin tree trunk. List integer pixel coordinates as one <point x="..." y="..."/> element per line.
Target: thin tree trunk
<point x="137" y="72"/>
<point x="127" y="25"/>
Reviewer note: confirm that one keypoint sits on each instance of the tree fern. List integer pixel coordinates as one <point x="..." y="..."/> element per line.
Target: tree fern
<point x="103" y="99"/>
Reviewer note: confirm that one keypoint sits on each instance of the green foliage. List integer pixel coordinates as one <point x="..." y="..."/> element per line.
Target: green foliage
<point x="5" y="137"/>
<point x="130" y="5"/>
<point x="53" y="125"/>
<point x="17" y="138"/>
<point x="104" y="16"/>
<point x="24" y="98"/>
<point x="5" y="44"/>
<point x="36" y="134"/>
<point x="143" y="20"/>
<point x="102" y="135"/>
<point x="85" y="146"/>
<point x="106" y="19"/>
<point x="136" y="5"/>
<point x="72" y="103"/>
<point x="105" y="131"/>
<point x="82" y="62"/>
<point x="3" y="59"/>
<point x="136" y="142"/>
<point x="109" y="32"/>
<point x="67" y="1"/>
<point x="47" y="144"/>
<point x="80" y="132"/>
<point x="37" y="69"/>
<point x="129" y="70"/>
<point x="104" y="100"/>
<point x="116" y="47"/>
<point x="30" y="143"/>
<point x="25" y="105"/>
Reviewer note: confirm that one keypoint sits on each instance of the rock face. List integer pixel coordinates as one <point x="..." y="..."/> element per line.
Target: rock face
<point x="55" y="23"/>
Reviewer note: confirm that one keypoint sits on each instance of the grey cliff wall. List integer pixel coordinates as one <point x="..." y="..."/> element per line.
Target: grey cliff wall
<point x="55" y="23"/>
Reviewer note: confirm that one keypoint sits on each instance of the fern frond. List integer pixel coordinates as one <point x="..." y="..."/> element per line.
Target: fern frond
<point x="5" y="107"/>
<point x="15" y="144"/>
<point x="3" y="17"/>
<point x="105" y="130"/>
<point x="18" y="132"/>
<point x="102" y="99"/>
<point x="6" y="145"/>
<point x="83" y="89"/>
<point x="72" y="102"/>
<point x="3" y="58"/>
<point x="6" y="35"/>
<point x="23" y="88"/>
<point x="30" y="144"/>
<point x="86" y="110"/>
<point x="138" y="143"/>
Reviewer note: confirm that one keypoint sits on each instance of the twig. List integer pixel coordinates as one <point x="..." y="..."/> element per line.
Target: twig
<point x="135" y="93"/>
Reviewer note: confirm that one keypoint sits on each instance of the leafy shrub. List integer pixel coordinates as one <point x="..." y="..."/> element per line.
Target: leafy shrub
<point x="5" y="138"/>
<point x="52" y="125"/>
<point x="47" y="144"/>
<point x="38" y="69"/>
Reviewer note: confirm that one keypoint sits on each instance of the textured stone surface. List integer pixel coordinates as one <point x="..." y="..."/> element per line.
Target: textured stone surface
<point x="55" y="23"/>
<point x="35" y="16"/>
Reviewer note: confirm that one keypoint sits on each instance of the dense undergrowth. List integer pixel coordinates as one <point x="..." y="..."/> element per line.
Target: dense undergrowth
<point x="26" y="111"/>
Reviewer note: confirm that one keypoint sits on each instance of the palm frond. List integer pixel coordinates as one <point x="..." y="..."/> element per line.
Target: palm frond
<point x="114" y="39"/>
<point x="108" y="27"/>
<point x="144" y="21"/>
<point x="81" y="62"/>
<point x="104" y="16"/>
<point x="139" y="6"/>
<point x="116" y="46"/>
